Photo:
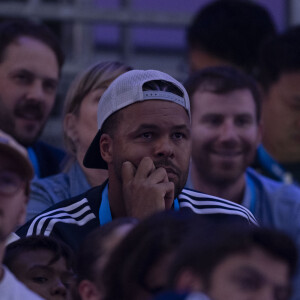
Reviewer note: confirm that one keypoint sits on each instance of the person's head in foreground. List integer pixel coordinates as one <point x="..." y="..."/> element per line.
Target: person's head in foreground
<point x="43" y="264"/>
<point x="236" y="263"/>
<point x="143" y="134"/>
<point x="15" y="174"/>
<point x="140" y="264"/>
<point x="30" y="64"/>
<point x="94" y="254"/>
<point x="80" y="106"/>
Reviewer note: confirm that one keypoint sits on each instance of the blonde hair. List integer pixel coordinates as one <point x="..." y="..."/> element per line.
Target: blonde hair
<point x="85" y="82"/>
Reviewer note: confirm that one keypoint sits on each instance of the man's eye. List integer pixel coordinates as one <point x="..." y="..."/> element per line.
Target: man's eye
<point x="242" y="122"/>
<point x="23" y="78"/>
<point x="40" y="279"/>
<point x="147" y="135"/>
<point x="178" y="135"/>
<point x="213" y="120"/>
<point x="50" y="86"/>
<point x="249" y="284"/>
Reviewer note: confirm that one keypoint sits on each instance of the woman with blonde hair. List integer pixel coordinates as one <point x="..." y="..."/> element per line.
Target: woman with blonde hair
<point x="80" y="127"/>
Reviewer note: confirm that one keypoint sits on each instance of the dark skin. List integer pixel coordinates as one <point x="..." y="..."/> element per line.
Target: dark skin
<point x="147" y="158"/>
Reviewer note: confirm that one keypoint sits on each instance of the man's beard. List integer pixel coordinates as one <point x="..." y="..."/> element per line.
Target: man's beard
<point x="8" y="124"/>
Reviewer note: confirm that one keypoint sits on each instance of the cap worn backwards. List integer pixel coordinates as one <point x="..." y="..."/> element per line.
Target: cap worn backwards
<point x="125" y="90"/>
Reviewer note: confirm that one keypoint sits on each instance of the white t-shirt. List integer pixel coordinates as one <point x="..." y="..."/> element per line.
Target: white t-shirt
<point x="12" y="289"/>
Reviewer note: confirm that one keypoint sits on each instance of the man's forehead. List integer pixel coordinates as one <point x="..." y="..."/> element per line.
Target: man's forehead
<point x="222" y="99"/>
<point x="28" y="52"/>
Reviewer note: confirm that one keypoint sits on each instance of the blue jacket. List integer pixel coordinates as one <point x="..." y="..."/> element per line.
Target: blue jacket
<point x="275" y="205"/>
<point x="46" y="192"/>
<point x="50" y="159"/>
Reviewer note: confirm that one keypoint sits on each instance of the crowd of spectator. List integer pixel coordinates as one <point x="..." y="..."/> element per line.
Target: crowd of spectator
<point x="165" y="190"/>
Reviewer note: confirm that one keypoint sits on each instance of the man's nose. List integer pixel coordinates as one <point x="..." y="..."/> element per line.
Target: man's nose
<point x="58" y="289"/>
<point x="164" y="147"/>
<point x="228" y="131"/>
<point x="36" y="91"/>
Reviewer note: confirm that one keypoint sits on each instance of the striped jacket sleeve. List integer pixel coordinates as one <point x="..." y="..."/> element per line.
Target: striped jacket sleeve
<point x="201" y="203"/>
<point x="69" y="220"/>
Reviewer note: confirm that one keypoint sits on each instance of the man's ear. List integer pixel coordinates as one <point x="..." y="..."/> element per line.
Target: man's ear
<point x="70" y="127"/>
<point x="187" y="280"/>
<point x="88" y="291"/>
<point x="106" y="147"/>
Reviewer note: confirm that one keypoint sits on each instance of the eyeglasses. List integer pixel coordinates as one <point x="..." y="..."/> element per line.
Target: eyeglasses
<point x="10" y="183"/>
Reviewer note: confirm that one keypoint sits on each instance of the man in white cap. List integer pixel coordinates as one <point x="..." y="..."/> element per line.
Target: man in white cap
<point x="15" y="175"/>
<point x="144" y="142"/>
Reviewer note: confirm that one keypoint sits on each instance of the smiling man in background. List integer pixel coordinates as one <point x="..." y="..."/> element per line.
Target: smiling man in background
<point x="226" y="130"/>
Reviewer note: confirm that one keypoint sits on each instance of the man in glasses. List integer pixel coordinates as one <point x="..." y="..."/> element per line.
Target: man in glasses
<point x="15" y="175"/>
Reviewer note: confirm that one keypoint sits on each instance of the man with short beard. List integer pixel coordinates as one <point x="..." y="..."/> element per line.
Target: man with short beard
<point x="30" y="63"/>
<point x="226" y="130"/>
<point x="144" y="142"/>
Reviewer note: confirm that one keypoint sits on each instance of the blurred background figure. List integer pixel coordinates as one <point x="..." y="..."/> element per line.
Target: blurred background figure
<point x="94" y="254"/>
<point x="228" y="32"/>
<point x="44" y="265"/>
<point x="279" y="155"/>
<point x="139" y="265"/>
<point x="80" y="127"/>
<point x="235" y="263"/>
<point x="30" y="64"/>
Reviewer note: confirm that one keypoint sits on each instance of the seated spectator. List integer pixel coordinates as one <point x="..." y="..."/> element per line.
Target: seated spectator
<point x="279" y="155"/>
<point x="226" y="130"/>
<point x="235" y="263"/>
<point x="15" y="174"/>
<point x="43" y="264"/>
<point x="144" y="141"/>
<point x="228" y="32"/>
<point x="80" y="126"/>
<point x="30" y="66"/>
<point x="94" y="253"/>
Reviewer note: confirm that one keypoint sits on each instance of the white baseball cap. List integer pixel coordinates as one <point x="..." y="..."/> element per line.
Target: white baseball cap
<point x="125" y="90"/>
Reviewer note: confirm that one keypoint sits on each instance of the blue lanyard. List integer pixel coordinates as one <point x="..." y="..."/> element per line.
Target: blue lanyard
<point x="34" y="161"/>
<point x="105" y="212"/>
<point x="272" y="166"/>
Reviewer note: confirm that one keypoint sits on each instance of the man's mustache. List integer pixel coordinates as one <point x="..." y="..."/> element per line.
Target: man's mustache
<point x="30" y="109"/>
<point x="166" y="164"/>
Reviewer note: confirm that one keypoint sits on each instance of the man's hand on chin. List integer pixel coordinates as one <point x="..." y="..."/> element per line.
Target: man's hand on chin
<point x="146" y="190"/>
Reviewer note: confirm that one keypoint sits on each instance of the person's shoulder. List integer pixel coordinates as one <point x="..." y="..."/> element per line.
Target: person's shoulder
<point x="50" y="182"/>
<point x="202" y="203"/>
<point x="49" y="150"/>
<point x="12" y="288"/>
<point x="77" y="210"/>
<point x="273" y="187"/>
